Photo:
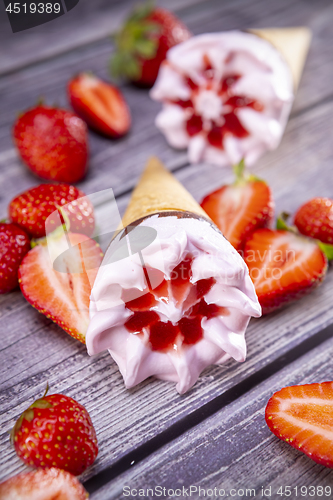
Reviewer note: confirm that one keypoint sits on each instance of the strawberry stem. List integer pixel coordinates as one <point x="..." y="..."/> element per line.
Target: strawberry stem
<point x="64" y="218"/>
<point x="242" y="177"/>
<point x="40" y="101"/>
<point x="239" y="171"/>
<point x="327" y="249"/>
<point x="135" y="41"/>
<point x="46" y="390"/>
<point x="281" y="222"/>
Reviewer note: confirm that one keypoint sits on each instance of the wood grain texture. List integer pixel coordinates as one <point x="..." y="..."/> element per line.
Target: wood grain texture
<point x="234" y="448"/>
<point x="33" y="350"/>
<point x="84" y="25"/>
<point x="110" y="163"/>
<point x="37" y="351"/>
<point x="27" y="364"/>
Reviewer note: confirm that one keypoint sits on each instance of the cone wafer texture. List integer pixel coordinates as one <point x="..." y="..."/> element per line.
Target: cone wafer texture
<point x="292" y="43"/>
<point x="159" y="191"/>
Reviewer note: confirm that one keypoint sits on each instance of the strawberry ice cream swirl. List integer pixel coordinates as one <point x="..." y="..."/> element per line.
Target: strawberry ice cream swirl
<point x="226" y="96"/>
<point x="174" y="308"/>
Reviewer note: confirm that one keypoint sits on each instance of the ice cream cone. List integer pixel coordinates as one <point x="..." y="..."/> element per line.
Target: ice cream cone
<point x="148" y="304"/>
<point x="292" y="43"/>
<point x="159" y="191"/>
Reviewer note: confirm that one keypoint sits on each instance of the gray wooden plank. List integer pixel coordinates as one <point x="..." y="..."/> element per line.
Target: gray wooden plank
<point x="124" y="419"/>
<point x="34" y="351"/>
<point x="234" y="450"/>
<point x="112" y="161"/>
<point x="84" y="25"/>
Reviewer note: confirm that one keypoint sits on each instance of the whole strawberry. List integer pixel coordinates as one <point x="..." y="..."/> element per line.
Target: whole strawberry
<point x="30" y="209"/>
<point x="315" y="219"/>
<point x="14" y="245"/>
<point x="53" y="143"/>
<point x="142" y="43"/>
<point x="56" y="431"/>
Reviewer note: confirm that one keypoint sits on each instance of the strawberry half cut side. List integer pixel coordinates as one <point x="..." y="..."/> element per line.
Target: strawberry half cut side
<point x="302" y="415"/>
<point x="283" y="266"/>
<point x="43" y="484"/>
<point x="63" y="294"/>
<point x="240" y="208"/>
<point x="100" y="104"/>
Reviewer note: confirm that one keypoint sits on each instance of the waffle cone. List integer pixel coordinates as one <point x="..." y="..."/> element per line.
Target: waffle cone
<point x="159" y="191"/>
<point x="292" y="43"/>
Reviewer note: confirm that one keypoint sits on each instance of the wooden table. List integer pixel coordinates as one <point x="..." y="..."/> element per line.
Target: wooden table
<point x="215" y="436"/>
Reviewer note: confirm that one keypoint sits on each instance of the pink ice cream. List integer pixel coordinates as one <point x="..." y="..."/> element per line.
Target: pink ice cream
<point x="226" y="96"/>
<point x="187" y="310"/>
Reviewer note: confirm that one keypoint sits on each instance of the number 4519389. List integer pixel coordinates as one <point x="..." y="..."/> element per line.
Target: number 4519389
<point x="304" y="491"/>
<point x="33" y="8"/>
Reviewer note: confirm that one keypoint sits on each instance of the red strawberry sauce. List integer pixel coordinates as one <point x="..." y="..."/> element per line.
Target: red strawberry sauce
<point x="228" y="122"/>
<point x="163" y="336"/>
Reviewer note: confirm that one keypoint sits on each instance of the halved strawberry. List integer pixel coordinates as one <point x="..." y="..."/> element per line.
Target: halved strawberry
<point x="57" y="276"/>
<point x="240" y="208"/>
<point x="283" y="266"/>
<point x="302" y="415"/>
<point x="101" y="105"/>
<point x="43" y="484"/>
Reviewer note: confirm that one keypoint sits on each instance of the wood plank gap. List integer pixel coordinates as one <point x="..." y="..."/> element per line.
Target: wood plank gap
<point x="207" y="410"/>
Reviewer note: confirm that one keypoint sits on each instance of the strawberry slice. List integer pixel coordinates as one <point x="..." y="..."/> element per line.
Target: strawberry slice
<point x="240" y="208"/>
<point x="57" y="279"/>
<point x="283" y="266"/>
<point x="302" y="415"/>
<point x="47" y="484"/>
<point x="101" y="105"/>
